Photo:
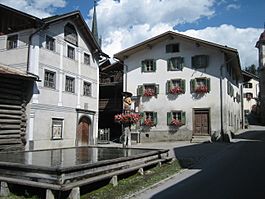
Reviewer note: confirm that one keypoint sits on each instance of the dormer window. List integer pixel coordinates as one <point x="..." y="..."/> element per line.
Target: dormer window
<point x="70" y="34"/>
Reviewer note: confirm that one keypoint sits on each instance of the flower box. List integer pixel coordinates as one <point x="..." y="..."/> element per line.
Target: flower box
<point x="201" y="89"/>
<point x="130" y="118"/>
<point x="148" y="122"/>
<point x="149" y="92"/>
<point x="176" y="123"/>
<point x="176" y="90"/>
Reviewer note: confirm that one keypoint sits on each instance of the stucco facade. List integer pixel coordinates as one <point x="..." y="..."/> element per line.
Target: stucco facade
<point x="188" y="102"/>
<point x="58" y="104"/>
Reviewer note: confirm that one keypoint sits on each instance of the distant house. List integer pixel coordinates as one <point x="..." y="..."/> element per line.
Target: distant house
<point x="186" y="88"/>
<point x="261" y="73"/>
<point x="63" y="53"/>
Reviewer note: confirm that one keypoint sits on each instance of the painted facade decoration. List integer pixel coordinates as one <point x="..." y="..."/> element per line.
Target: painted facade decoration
<point x="186" y="87"/>
<point x="63" y="53"/>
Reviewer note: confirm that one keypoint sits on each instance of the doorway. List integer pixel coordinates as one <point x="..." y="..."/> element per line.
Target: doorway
<point x="83" y="131"/>
<point x="201" y="125"/>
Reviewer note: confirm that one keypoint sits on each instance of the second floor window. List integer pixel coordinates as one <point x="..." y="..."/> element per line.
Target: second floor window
<point x="70" y="84"/>
<point x="148" y="90"/>
<point x="175" y="63"/>
<point x="176" y="86"/>
<point x="70" y="52"/>
<point x="200" y="85"/>
<point x="87" y="89"/>
<point x="200" y="61"/>
<point x="12" y="41"/>
<point x="148" y="65"/>
<point x="50" y="43"/>
<point x="49" y="79"/>
<point x="86" y="59"/>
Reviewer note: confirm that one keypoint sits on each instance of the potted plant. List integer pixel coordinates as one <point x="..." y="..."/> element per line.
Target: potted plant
<point x="176" y="90"/>
<point x="176" y="122"/>
<point x="201" y="89"/>
<point x="148" y="122"/>
<point x="148" y="92"/>
<point x="129" y="118"/>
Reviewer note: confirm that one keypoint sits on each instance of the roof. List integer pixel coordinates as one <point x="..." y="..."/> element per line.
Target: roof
<point x="12" y="72"/>
<point x="169" y="34"/>
<point x="248" y="76"/>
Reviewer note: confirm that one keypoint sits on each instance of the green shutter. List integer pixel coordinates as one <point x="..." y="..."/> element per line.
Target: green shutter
<point x="193" y="62"/>
<point x="181" y="63"/>
<point x="192" y="85"/>
<point x="142" y="118"/>
<point x="167" y="87"/>
<point x="140" y="90"/>
<point x="208" y="84"/>
<point x="168" y="65"/>
<point x="183" y="118"/>
<point x="183" y="85"/>
<point x="155" y="118"/>
<point x="154" y="63"/>
<point x="169" y="118"/>
<point x="157" y="89"/>
<point x="143" y="66"/>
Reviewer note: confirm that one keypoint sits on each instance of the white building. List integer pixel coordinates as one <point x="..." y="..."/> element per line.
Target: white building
<point x="183" y="80"/>
<point x="62" y="52"/>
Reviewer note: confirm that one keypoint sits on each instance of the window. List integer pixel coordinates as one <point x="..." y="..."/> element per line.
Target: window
<point x="57" y="128"/>
<point x="172" y="48"/>
<point x="70" y="52"/>
<point x="50" y="43"/>
<point x="200" y="85"/>
<point x="70" y="34"/>
<point x="176" y="118"/>
<point x="70" y="84"/>
<point x="200" y="61"/>
<point x="148" y="90"/>
<point x="12" y="41"/>
<point x="148" y="65"/>
<point x="230" y="89"/>
<point x="175" y="63"/>
<point x="86" y="59"/>
<point x="176" y="86"/>
<point x="248" y="85"/>
<point x="148" y="119"/>
<point x="87" y="89"/>
<point x="49" y="79"/>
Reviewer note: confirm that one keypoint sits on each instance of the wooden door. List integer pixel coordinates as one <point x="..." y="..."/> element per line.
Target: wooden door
<point x="82" y="136"/>
<point x="201" y="126"/>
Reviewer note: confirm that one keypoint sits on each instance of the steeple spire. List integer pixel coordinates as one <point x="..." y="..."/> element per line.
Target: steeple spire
<point x="94" y="24"/>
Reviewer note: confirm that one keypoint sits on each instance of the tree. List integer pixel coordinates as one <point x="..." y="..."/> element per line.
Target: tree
<point x="251" y="69"/>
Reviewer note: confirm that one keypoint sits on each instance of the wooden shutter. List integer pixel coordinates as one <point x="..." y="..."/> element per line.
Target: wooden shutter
<point x="208" y="84"/>
<point x="169" y="117"/>
<point x="183" y="118"/>
<point x="140" y="90"/>
<point x="143" y="66"/>
<point x="181" y="63"/>
<point x="154" y="64"/>
<point x="192" y="85"/>
<point x="142" y="118"/>
<point x="183" y="85"/>
<point x="155" y="118"/>
<point x="157" y="89"/>
<point x="168" y="86"/>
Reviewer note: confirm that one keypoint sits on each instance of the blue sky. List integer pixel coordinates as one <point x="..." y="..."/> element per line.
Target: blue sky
<point x="235" y="23"/>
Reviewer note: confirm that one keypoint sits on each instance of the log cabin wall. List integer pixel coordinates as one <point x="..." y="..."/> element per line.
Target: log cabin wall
<point x="13" y="100"/>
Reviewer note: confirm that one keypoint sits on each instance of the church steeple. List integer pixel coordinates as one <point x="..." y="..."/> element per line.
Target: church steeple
<point x="95" y="25"/>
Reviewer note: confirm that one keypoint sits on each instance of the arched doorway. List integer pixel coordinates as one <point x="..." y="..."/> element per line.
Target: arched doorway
<point x="83" y="131"/>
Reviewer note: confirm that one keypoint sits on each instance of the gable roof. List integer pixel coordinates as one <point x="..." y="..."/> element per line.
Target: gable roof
<point x="248" y="76"/>
<point x="169" y="34"/>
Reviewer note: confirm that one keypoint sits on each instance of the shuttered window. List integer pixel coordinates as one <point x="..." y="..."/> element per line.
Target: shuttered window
<point x="148" y="118"/>
<point x="200" y="61"/>
<point x="149" y="65"/>
<point x="148" y="90"/>
<point x="175" y="63"/>
<point x="200" y="85"/>
<point x="176" y="86"/>
<point x="176" y="118"/>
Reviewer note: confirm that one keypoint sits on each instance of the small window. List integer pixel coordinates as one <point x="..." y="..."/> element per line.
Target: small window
<point x="70" y="34"/>
<point x="200" y="61"/>
<point x="86" y="59"/>
<point x="200" y="85"/>
<point x="87" y="89"/>
<point x="176" y="118"/>
<point x="70" y="84"/>
<point x="248" y="85"/>
<point x="12" y="41"/>
<point x="57" y="129"/>
<point x="175" y="63"/>
<point x="50" y="43"/>
<point x="70" y="52"/>
<point x="148" y="119"/>
<point x="172" y="48"/>
<point x="148" y="65"/>
<point x="49" y="79"/>
<point x="176" y="86"/>
<point x="148" y="90"/>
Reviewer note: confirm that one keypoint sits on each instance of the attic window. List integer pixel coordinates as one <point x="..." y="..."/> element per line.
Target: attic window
<point x="70" y="34"/>
<point x="172" y="48"/>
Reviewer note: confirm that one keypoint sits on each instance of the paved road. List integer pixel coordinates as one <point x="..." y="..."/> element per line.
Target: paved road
<point x="222" y="171"/>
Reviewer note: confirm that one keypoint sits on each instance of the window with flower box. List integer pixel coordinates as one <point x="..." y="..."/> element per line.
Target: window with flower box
<point x="148" y="118"/>
<point x="176" y="118"/>
<point x="176" y="86"/>
<point x="199" y="61"/>
<point x="149" y="65"/>
<point x="148" y="90"/>
<point x="200" y="85"/>
<point x="175" y="63"/>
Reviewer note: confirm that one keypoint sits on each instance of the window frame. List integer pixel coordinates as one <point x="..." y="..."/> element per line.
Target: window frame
<point x="47" y="82"/>
<point x="86" y="58"/>
<point x="180" y="114"/>
<point x="57" y="128"/>
<point x="148" y="65"/>
<point x="69" y="55"/>
<point x="194" y="84"/>
<point x="170" y="85"/>
<point x="141" y="89"/>
<point x="175" y="63"/>
<point x="12" y="44"/>
<point x="69" y="80"/>
<point x="197" y="59"/>
<point x="85" y="93"/>
<point x="172" y="48"/>
<point x="151" y="114"/>
<point x="50" y="40"/>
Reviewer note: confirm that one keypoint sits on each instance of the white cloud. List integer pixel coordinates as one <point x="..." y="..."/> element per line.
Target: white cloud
<point x="39" y="8"/>
<point x="232" y="6"/>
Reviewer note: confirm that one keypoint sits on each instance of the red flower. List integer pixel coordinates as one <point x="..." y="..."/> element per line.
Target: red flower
<point x="176" y="122"/>
<point x="148" y="122"/>
<point x="176" y="90"/>
<point x="149" y="92"/>
<point x="131" y="118"/>
<point x="201" y="89"/>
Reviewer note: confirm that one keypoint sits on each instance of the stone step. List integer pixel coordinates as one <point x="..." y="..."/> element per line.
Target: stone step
<point x="201" y="139"/>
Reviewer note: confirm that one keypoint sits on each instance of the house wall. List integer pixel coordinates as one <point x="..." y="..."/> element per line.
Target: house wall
<point x="187" y="102"/>
<point x="248" y="103"/>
